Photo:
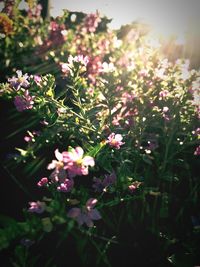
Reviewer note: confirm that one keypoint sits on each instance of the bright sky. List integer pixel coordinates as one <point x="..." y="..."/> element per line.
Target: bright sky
<point x="166" y="16"/>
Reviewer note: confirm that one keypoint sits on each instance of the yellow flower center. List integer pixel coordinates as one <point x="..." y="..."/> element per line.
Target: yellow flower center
<point x="59" y="165"/>
<point x="79" y="162"/>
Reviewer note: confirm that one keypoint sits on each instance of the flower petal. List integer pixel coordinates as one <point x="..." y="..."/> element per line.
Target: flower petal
<point x="79" y="152"/>
<point x="52" y="165"/>
<point x="88" y="221"/>
<point x="94" y="214"/>
<point x="91" y="203"/>
<point x="118" y="137"/>
<point x="88" y="161"/>
<point x="58" y="155"/>
<point x="74" y="213"/>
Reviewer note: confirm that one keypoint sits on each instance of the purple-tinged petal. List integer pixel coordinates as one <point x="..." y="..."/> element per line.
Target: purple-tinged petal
<point x="91" y="203"/>
<point x="94" y="214"/>
<point x="74" y="212"/>
<point x="88" y="221"/>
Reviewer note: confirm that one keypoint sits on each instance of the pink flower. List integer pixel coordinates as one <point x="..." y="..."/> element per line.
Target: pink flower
<point x="87" y="214"/>
<point x="66" y="186"/>
<point x="59" y="174"/>
<point x="30" y="136"/>
<point x="134" y="186"/>
<point x="72" y="62"/>
<point x="19" y="81"/>
<point x="81" y="59"/>
<point x="65" y="68"/>
<point x="165" y="109"/>
<point x="163" y="94"/>
<point x="94" y="68"/>
<point x="56" y="164"/>
<point x="37" y="207"/>
<point x="99" y="184"/>
<point x="115" y="140"/>
<point x="24" y="102"/>
<point x="35" y="11"/>
<point x="91" y="22"/>
<point x="128" y="97"/>
<point x="197" y="151"/>
<point x="37" y="80"/>
<point x="75" y="163"/>
<point x="197" y="131"/>
<point x="43" y="182"/>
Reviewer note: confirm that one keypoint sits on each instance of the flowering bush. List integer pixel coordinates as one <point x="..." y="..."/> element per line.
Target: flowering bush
<point x="127" y="122"/>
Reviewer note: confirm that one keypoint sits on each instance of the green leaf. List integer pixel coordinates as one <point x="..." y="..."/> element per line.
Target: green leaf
<point x="95" y="150"/>
<point x="4" y="242"/>
<point x="47" y="224"/>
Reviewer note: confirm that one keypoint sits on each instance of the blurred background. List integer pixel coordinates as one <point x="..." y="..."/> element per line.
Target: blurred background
<point x="176" y="22"/>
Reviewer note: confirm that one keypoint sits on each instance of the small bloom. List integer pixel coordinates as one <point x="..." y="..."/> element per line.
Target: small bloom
<point x="87" y="214"/>
<point x="91" y="22"/>
<point x="81" y="59"/>
<point x="115" y="140"/>
<point x="30" y="136"/>
<point x="163" y="94"/>
<point x="66" y="186"/>
<point x="37" y="207"/>
<point x="94" y="68"/>
<point x="197" y="131"/>
<point x="108" y="67"/>
<point x="99" y="184"/>
<point x="37" y="79"/>
<point x="58" y="175"/>
<point x="197" y="151"/>
<point x="134" y="186"/>
<point x="24" y="102"/>
<point x="165" y="109"/>
<point x="19" y="81"/>
<point x="72" y="62"/>
<point x="109" y="179"/>
<point x="65" y="68"/>
<point x="43" y="182"/>
<point x="75" y="163"/>
<point x="35" y="11"/>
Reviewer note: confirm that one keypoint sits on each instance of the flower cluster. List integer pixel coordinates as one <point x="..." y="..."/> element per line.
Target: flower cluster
<point x="91" y="22"/>
<point x="24" y="102"/>
<point x="128" y="115"/>
<point x="72" y="62"/>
